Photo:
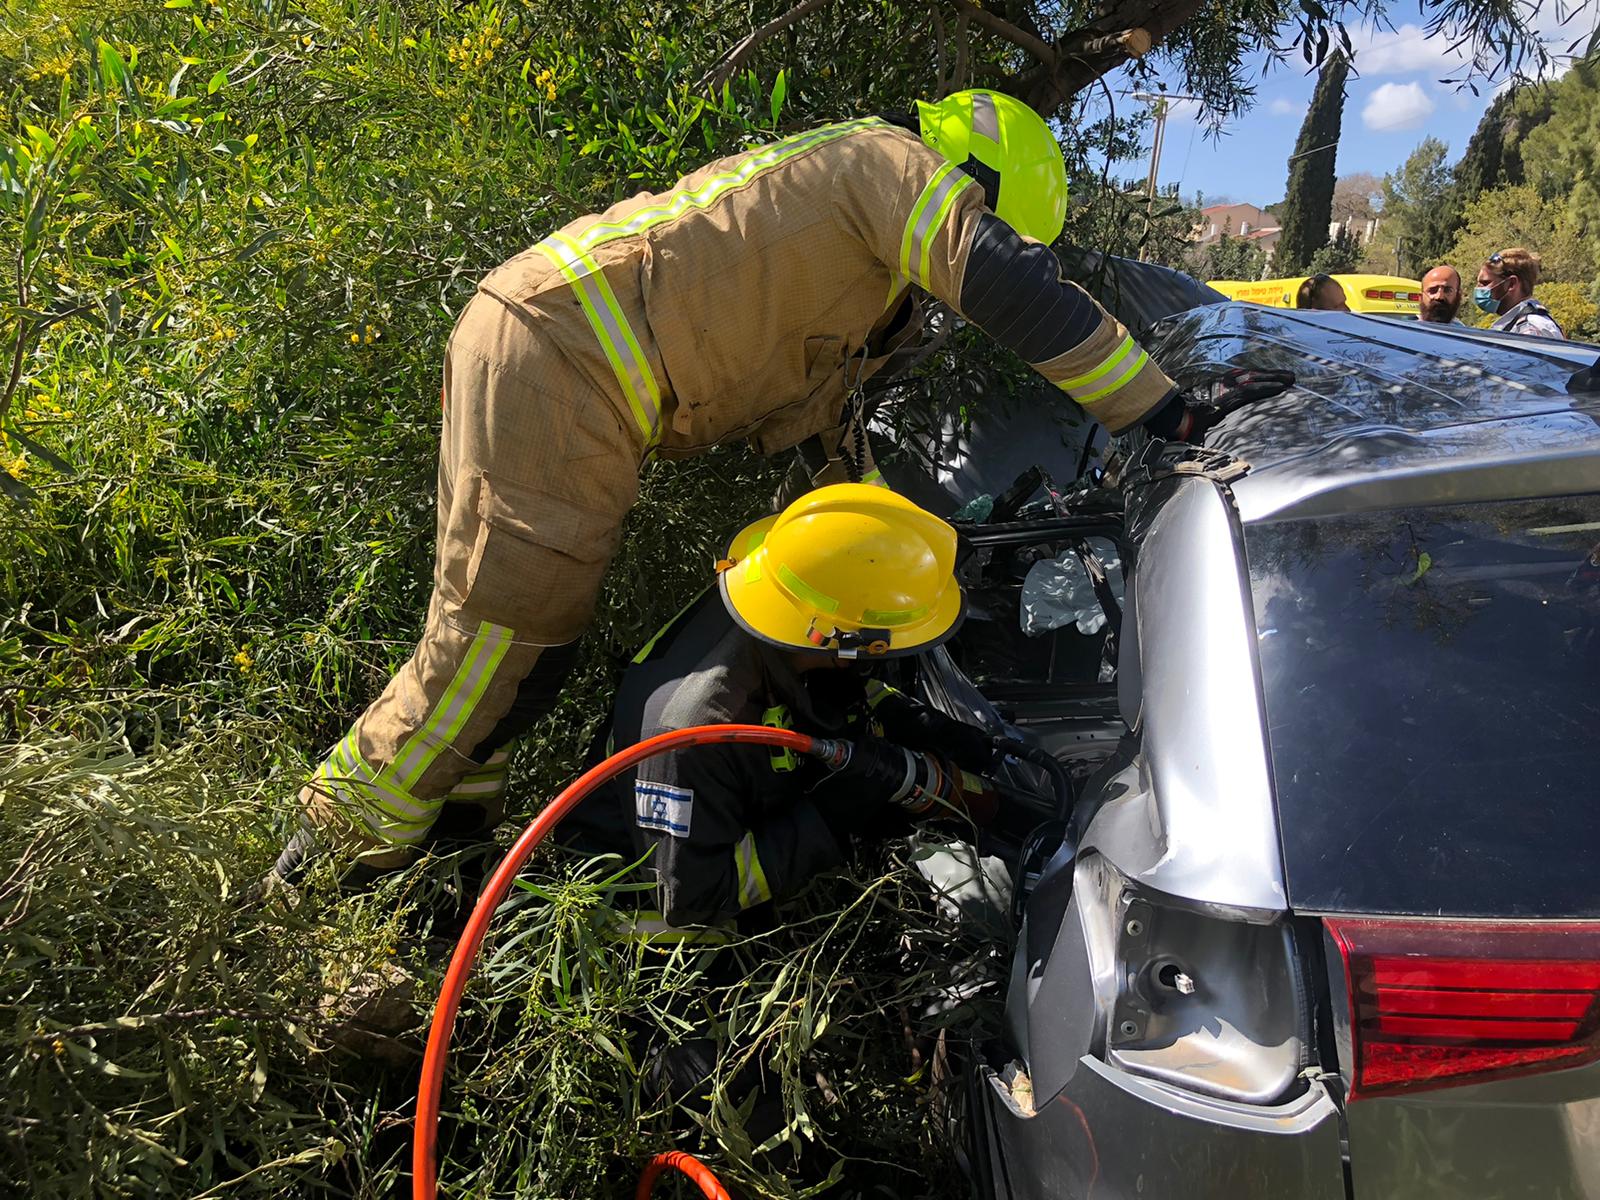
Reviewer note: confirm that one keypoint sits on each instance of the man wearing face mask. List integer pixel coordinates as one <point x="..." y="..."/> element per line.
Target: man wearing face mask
<point x="847" y="577"/>
<point x="1505" y="287"/>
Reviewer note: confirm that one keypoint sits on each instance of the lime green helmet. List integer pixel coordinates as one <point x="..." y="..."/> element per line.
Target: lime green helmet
<point x="1007" y="147"/>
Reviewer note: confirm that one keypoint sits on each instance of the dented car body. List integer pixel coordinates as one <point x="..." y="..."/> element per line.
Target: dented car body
<point x="1325" y="918"/>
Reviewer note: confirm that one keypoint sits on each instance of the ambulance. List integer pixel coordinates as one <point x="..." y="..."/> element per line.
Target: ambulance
<point x="1378" y="295"/>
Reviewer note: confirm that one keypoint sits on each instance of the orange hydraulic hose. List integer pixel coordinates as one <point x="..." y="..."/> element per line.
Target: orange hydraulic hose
<point x="424" y="1166"/>
<point x="676" y="1160"/>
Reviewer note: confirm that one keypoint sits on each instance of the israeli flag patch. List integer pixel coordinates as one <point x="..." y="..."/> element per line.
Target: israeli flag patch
<point x="663" y="808"/>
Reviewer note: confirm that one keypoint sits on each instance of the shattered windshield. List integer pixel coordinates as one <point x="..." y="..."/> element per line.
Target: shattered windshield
<point x="1432" y="686"/>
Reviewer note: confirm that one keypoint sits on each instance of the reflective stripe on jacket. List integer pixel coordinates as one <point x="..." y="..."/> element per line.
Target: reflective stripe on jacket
<point x="1529" y="317"/>
<point x="751" y="297"/>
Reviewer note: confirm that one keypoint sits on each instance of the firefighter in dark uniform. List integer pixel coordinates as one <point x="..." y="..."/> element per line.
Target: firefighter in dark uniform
<point x="849" y="575"/>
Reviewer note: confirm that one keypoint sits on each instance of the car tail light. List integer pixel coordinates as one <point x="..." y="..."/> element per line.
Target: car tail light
<point x="1439" y="1003"/>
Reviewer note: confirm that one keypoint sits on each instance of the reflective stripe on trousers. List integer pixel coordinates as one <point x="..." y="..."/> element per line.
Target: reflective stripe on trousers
<point x="486" y="783"/>
<point x="385" y="798"/>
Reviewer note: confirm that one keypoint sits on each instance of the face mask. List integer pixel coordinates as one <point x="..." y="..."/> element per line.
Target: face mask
<point x="1484" y="298"/>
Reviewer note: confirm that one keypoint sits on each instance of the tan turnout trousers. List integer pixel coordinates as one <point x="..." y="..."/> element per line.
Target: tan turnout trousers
<point x="747" y="301"/>
<point x="536" y="472"/>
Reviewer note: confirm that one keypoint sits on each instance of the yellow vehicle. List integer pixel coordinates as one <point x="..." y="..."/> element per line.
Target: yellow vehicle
<point x="1380" y="295"/>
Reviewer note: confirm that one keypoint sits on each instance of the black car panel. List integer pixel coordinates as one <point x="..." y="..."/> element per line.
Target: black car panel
<point x="1432" y="686"/>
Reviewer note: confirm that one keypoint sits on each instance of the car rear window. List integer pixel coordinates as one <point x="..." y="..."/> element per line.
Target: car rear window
<point x="1432" y="688"/>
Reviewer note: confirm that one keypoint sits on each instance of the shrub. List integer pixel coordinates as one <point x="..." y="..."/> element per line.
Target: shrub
<point x="241" y="236"/>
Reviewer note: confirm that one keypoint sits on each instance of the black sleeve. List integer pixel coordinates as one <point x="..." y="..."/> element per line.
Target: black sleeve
<point x="711" y="861"/>
<point x="1013" y="289"/>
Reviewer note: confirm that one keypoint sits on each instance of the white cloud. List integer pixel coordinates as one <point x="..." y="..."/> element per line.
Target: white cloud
<point x="1410" y="50"/>
<point x="1284" y="108"/>
<point x="1407" y="50"/>
<point x="1396" y="106"/>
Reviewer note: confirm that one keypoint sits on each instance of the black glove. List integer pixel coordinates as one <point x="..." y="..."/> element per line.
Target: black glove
<point x="922" y="727"/>
<point x="1206" y="405"/>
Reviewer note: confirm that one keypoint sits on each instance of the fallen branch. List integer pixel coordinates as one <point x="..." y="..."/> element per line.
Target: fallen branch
<point x="127" y="1024"/>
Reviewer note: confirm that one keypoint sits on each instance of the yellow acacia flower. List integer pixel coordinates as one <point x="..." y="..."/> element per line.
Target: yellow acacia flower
<point x="52" y="67"/>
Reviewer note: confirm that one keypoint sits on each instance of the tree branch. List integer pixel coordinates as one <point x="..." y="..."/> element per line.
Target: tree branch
<point x="1038" y="47"/>
<point x="1080" y="56"/>
<point x="959" y="79"/>
<point x="723" y="69"/>
<point x="1083" y="55"/>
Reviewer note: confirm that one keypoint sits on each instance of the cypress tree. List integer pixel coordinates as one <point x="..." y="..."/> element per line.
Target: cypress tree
<point x="1493" y="157"/>
<point x="1308" y="202"/>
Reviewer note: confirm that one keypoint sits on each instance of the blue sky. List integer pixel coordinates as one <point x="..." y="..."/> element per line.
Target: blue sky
<point x="1397" y="100"/>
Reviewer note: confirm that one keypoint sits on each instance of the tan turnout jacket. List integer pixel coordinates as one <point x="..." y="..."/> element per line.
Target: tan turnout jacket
<point x="742" y="302"/>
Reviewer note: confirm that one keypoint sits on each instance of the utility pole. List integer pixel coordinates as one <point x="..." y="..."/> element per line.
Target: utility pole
<point x="1160" y="101"/>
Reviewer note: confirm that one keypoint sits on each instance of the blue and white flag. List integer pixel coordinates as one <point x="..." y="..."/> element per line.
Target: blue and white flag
<point x="663" y="808"/>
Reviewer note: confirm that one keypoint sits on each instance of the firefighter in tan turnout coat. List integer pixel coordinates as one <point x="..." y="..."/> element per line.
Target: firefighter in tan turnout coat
<point x="746" y="302"/>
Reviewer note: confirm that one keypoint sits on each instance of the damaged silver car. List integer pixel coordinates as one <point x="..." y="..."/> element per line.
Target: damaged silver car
<point x="1318" y="914"/>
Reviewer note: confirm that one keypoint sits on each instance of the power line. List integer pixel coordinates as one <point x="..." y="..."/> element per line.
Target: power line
<point x="1313" y="150"/>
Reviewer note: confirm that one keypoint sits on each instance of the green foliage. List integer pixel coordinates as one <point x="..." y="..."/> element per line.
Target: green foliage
<point x="169" y="1036"/>
<point x="1494" y="153"/>
<point x="1124" y="221"/>
<point x="1340" y="256"/>
<point x="231" y="295"/>
<point x="1233" y="258"/>
<point x="1573" y="307"/>
<point x="1519" y="216"/>
<point x="162" y="1038"/>
<point x="1563" y="153"/>
<point x="1414" y="211"/>
<point x="1308" y="200"/>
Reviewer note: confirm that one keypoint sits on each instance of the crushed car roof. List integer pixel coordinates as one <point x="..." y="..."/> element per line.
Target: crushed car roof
<point x="1388" y="412"/>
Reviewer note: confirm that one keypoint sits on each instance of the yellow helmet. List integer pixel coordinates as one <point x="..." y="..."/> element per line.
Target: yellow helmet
<point x="1005" y="145"/>
<point x="850" y="569"/>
